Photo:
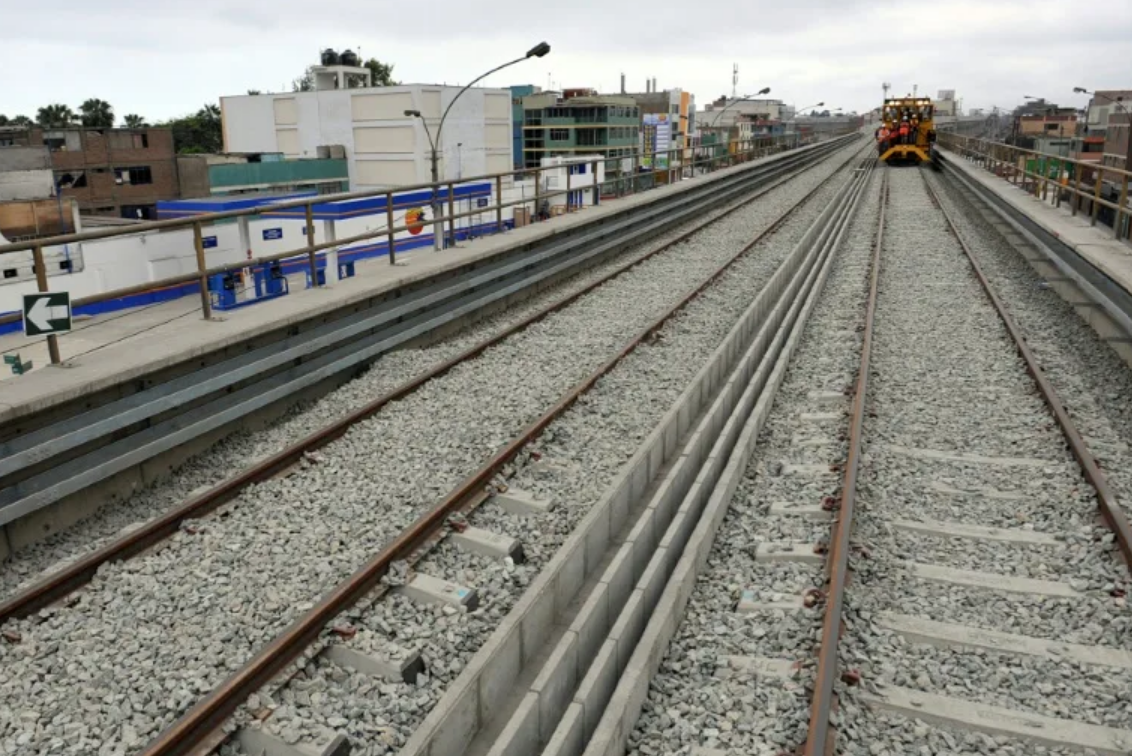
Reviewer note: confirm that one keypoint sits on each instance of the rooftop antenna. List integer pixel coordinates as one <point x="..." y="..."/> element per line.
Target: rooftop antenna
<point x="734" y="80"/>
<point x="915" y="88"/>
<point x="886" y="86"/>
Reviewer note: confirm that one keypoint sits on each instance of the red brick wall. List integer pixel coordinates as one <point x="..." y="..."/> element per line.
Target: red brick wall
<point x="103" y="151"/>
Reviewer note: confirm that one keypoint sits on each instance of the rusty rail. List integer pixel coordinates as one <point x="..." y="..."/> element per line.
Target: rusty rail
<point x="820" y="737"/>
<point x="1107" y="503"/>
<point x="199" y="724"/>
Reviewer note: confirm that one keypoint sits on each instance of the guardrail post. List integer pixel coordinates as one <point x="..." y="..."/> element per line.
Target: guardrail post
<point x="1077" y="190"/>
<point x="389" y="228"/>
<point x="202" y="270"/>
<point x="499" y="204"/>
<point x="569" y="199"/>
<point x="1097" y="181"/>
<point x="538" y="195"/>
<point x="452" y="213"/>
<point x="41" y="284"/>
<point x="313" y="257"/>
<point x="597" y="187"/>
<point x="1120" y="208"/>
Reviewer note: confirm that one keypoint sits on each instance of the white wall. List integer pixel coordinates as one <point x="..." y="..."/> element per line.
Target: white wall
<point x="384" y="148"/>
<point x="26" y="185"/>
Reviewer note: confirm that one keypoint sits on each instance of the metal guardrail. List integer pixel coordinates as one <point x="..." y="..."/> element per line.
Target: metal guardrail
<point x="641" y="164"/>
<point x="1069" y="175"/>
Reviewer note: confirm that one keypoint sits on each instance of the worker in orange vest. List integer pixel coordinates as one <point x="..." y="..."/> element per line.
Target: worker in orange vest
<point x="904" y="131"/>
<point x="883" y="135"/>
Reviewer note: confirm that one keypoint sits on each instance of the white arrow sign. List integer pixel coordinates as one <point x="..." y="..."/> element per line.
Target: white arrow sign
<point x="41" y="314"/>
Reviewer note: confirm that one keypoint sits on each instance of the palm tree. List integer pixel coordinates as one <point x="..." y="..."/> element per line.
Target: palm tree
<point x="97" y="113"/>
<point x="55" y="116"/>
<point x="134" y="121"/>
<point x="20" y="120"/>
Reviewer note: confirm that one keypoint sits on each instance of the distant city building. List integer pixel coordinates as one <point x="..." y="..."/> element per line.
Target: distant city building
<point x="383" y="147"/>
<point x="518" y="92"/>
<point x="579" y="121"/>
<point x="668" y="121"/>
<point x="261" y="173"/>
<point x="945" y="103"/>
<point x="1104" y="105"/>
<point x="725" y="112"/>
<point x="108" y="172"/>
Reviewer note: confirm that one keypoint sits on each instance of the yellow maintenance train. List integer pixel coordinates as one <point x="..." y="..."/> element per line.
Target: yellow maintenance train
<point x="910" y="129"/>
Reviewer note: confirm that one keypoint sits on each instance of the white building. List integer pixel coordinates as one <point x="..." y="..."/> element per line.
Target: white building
<point x="723" y="113"/>
<point x="384" y="147"/>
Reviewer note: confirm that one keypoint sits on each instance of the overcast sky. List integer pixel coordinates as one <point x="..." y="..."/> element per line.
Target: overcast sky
<point x="161" y="59"/>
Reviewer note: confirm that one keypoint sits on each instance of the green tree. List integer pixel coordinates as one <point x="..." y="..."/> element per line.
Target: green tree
<point x="55" y="116"/>
<point x="21" y="120"/>
<point x="134" y="121"/>
<point x="3" y="120"/>
<point x="254" y="92"/>
<point x="304" y="83"/>
<point x="382" y="73"/>
<point x="199" y="132"/>
<point x="97" y="113"/>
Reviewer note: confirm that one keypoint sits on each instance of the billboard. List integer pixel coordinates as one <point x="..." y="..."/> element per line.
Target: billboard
<point x="657" y="134"/>
<point x="946" y="94"/>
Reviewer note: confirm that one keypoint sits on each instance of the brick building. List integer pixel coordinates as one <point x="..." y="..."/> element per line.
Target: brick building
<point x="111" y="172"/>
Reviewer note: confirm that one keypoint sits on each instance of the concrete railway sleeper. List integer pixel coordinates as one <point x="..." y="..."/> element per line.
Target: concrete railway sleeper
<point x="318" y="468"/>
<point x="47" y="464"/>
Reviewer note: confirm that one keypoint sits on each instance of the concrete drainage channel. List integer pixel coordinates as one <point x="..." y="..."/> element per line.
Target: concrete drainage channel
<point x="576" y="654"/>
<point x="118" y="445"/>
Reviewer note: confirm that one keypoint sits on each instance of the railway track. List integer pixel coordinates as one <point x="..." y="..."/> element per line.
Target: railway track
<point x="214" y="478"/>
<point x="990" y="613"/>
<point x="987" y="608"/>
<point x="44" y="462"/>
<point x="220" y="544"/>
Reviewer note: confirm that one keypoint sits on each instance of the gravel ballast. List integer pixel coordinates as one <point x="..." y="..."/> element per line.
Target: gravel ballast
<point x="698" y="698"/>
<point x="957" y="432"/>
<point x="150" y="635"/>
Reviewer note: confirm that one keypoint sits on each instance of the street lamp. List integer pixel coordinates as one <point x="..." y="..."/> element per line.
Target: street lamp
<point x="538" y="51"/>
<point x="1118" y="102"/>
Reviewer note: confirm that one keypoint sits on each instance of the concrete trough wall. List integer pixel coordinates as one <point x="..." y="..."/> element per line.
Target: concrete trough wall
<point x="624" y="703"/>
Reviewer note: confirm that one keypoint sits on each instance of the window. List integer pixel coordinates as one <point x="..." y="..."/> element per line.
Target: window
<point x="137" y="175"/>
<point x="559" y="135"/>
<point x="55" y="144"/>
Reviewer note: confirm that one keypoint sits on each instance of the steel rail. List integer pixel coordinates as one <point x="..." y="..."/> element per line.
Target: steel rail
<point x="200" y="723"/>
<point x="1110" y="510"/>
<point x="820" y="736"/>
<point x="79" y="573"/>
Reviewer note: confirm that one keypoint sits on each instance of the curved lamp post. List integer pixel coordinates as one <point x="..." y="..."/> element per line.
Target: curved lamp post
<point x="538" y="51"/>
<point x="1118" y="103"/>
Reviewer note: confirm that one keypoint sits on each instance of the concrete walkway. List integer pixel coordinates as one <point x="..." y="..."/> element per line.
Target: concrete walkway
<point x="1096" y="244"/>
